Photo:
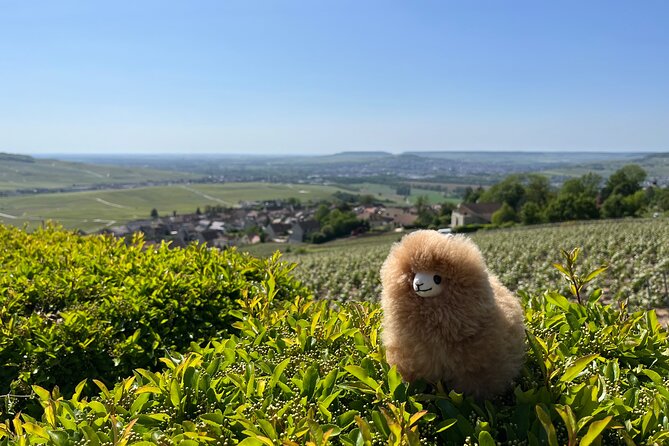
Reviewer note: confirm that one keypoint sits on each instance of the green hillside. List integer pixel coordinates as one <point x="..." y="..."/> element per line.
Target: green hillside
<point x="20" y="172"/>
<point x="93" y="210"/>
<point x="656" y="165"/>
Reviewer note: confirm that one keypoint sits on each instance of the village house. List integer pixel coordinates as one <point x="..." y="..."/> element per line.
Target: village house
<point x="401" y="217"/>
<point x="473" y="213"/>
<point x="303" y="229"/>
<point x="278" y="232"/>
<point x="374" y="217"/>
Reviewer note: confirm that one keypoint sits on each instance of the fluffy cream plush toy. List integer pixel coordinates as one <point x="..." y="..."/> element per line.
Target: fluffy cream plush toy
<point x="446" y="318"/>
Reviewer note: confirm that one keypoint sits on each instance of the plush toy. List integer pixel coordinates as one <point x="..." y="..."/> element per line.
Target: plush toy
<point x="446" y="318"/>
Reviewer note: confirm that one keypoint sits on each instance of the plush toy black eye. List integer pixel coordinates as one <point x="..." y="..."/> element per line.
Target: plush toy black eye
<point x="437" y="279"/>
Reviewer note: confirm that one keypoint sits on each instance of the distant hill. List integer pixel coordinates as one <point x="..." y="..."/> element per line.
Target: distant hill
<point x="22" y="173"/>
<point x="15" y="157"/>
<point x="362" y="153"/>
<point x="538" y="158"/>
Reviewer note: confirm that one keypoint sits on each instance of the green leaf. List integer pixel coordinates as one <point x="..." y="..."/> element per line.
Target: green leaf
<point x="278" y="371"/>
<point x="446" y="424"/>
<point x="175" y="393"/>
<point x="577" y="367"/>
<point x="647" y="421"/>
<point x="309" y="381"/>
<point x="364" y="429"/>
<point x="90" y="435"/>
<point x="595" y="273"/>
<point x="267" y="427"/>
<point x="394" y="379"/>
<point x="78" y="390"/>
<point x="59" y="438"/>
<point x="538" y="352"/>
<point x="567" y="415"/>
<point x="653" y="375"/>
<point x="558" y="300"/>
<point x="546" y="422"/>
<point x="561" y="268"/>
<point x="362" y="375"/>
<point x="595" y="430"/>
<point x="251" y="441"/>
<point x="573" y="255"/>
<point x="346" y="419"/>
<point x="381" y="424"/>
<point x="485" y="439"/>
<point x="42" y="393"/>
<point x="595" y="295"/>
<point x="103" y="388"/>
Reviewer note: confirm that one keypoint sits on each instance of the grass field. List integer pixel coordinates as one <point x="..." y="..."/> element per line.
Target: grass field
<point x="53" y="174"/>
<point x="387" y="192"/>
<point x="93" y="210"/>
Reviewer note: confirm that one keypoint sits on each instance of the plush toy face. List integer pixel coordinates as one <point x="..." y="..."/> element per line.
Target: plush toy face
<point x="427" y="283"/>
<point x="431" y="267"/>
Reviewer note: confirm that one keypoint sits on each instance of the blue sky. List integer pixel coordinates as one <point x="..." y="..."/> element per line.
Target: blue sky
<point x="323" y="76"/>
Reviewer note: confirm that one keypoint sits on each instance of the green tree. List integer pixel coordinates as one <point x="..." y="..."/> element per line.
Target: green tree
<point x="321" y="213"/>
<point x="568" y="207"/>
<point x="576" y="199"/>
<point x="587" y="184"/>
<point x="505" y="214"/>
<point x="661" y="199"/>
<point x="472" y="195"/>
<point x="625" y="181"/>
<point x="531" y="213"/>
<point x="367" y="200"/>
<point x="154" y="213"/>
<point x="538" y="190"/>
<point x="427" y="217"/>
<point x="618" y="205"/>
<point x="403" y="190"/>
<point x="510" y="190"/>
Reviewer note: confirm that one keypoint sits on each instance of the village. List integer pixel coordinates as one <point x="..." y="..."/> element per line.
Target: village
<point x="280" y="222"/>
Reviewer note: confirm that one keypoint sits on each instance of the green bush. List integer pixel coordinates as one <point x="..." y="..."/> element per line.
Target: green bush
<point x="473" y="227"/>
<point x="74" y="307"/>
<point x="303" y="371"/>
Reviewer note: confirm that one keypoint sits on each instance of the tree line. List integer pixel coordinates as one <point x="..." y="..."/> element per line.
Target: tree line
<point x="530" y="198"/>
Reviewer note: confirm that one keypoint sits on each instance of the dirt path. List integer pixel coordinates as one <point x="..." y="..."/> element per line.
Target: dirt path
<point x="208" y="197"/>
<point x="109" y="203"/>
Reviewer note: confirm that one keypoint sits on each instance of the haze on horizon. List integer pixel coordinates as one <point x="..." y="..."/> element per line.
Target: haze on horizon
<point x="302" y="77"/>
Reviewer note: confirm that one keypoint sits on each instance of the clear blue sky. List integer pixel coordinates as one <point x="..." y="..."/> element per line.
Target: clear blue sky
<point x="321" y="76"/>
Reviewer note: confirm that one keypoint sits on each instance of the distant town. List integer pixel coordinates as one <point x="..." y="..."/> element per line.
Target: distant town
<point x="267" y="221"/>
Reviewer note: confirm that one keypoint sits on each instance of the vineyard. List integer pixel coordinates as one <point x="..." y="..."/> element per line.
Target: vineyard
<point x="637" y="252"/>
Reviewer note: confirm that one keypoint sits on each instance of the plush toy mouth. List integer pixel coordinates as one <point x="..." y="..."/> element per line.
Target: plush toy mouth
<point x="418" y="290"/>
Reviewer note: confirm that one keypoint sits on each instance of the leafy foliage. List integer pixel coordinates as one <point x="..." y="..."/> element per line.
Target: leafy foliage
<point x="74" y="307"/>
<point x="582" y="198"/>
<point x="336" y="223"/>
<point x="301" y="371"/>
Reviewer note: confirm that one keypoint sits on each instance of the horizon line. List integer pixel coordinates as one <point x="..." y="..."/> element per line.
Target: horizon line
<point x="342" y="152"/>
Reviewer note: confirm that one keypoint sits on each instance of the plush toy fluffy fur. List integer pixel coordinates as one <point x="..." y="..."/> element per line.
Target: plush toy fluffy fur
<point x="470" y="335"/>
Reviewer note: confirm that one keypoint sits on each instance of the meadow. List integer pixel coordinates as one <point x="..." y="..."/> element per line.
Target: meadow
<point x="24" y="172"/>
<point x="385" y="191"/>
<point x="93" y="210"/>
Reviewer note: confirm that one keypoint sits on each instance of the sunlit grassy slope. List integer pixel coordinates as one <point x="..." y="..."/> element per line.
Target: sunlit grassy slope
<point x="93" y="210"/>
<point x="22" y="172"/>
